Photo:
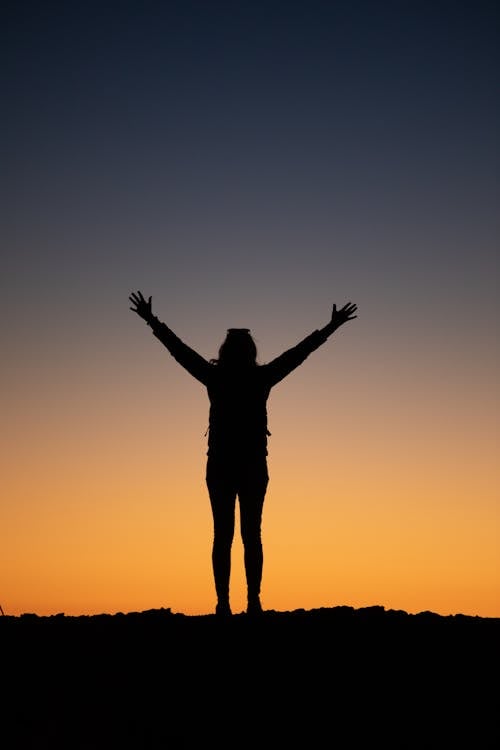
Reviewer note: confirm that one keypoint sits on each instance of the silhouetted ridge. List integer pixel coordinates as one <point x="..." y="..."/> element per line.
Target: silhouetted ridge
<point x="327" y="677"/>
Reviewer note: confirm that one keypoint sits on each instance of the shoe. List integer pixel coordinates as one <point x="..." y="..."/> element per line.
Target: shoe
<point x="254" y="607"/>
<point x="223" y="609"/>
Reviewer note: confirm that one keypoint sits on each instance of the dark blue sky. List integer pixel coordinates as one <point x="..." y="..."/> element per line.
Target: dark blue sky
<point x="279" y="146"/>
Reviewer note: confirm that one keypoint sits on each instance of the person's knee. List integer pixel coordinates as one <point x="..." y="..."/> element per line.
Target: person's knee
<point x="251" y="536"/>
<point x="223" y="535"/>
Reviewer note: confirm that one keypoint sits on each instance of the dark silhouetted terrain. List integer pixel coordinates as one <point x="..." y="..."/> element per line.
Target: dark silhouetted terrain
<point x="325" y="678"/>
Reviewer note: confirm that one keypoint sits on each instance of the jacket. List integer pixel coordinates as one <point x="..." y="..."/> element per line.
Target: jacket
<point x="238" y="396"/>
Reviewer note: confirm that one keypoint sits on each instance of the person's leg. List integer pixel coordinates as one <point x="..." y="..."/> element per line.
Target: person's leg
<point x="222" y="501"/>
<point x="251" y="497"/>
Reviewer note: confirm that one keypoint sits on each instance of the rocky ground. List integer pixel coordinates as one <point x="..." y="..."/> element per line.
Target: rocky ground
<point x="334" y="678"/>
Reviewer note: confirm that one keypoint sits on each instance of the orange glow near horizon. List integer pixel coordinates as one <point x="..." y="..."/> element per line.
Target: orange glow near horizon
<point x="371" y="512"/>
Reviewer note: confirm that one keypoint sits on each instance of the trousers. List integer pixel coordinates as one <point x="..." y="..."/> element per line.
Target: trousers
<point x="243" y="478"/>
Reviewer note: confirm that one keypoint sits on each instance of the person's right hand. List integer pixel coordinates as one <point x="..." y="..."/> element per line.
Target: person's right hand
<point x="141" y="307"/>
<point x="339" y="317"/>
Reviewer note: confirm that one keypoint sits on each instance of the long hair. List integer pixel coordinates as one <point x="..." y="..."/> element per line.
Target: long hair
<point x="238" y="349"/>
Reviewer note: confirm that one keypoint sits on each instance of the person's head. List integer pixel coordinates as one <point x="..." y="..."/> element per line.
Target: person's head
<point x="238" y="348"/>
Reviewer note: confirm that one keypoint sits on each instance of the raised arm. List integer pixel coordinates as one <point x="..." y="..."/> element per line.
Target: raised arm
<point x="292" y="358"/>
<point x="193" y="362"/>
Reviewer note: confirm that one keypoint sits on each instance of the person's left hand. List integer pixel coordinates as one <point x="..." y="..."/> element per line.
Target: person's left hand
<point x="142" y="308"/>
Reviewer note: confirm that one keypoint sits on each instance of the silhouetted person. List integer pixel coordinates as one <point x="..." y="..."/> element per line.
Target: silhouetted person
<point x="238" y="389"/>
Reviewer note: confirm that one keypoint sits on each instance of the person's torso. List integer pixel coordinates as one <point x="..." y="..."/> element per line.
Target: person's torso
<point x="238" y="410"/>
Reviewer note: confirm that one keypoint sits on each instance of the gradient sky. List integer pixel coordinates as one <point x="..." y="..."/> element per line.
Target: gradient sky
<point x="248" y="164"/>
